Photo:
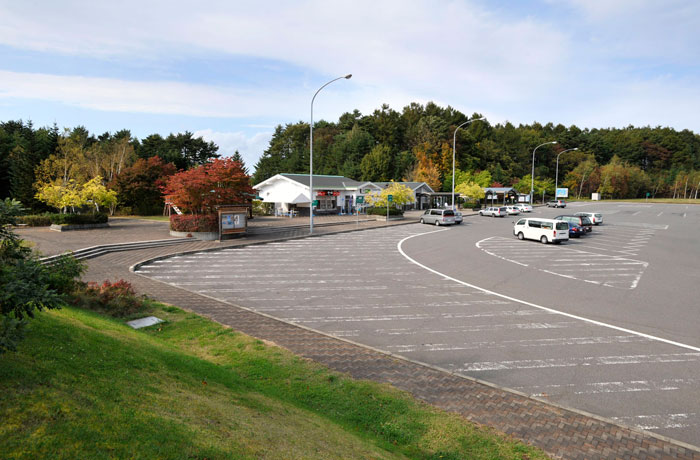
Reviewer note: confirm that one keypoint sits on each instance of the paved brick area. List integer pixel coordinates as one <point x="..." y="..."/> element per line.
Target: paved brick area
<point x="560" y="432"/>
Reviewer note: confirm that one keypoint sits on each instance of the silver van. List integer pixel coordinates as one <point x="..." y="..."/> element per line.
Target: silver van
<point x="438" y="217"/>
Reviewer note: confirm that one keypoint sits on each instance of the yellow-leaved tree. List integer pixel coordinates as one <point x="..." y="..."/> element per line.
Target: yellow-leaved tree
<point x="400" y="195"/>
<point x="470" y="190"/>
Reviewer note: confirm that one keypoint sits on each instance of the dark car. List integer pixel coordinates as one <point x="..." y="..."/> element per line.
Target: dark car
<point x="575" y="230"/>
<point x="581" y="221"/>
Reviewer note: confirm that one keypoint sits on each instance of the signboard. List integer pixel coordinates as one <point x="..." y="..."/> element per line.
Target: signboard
<point x="233" y="219"/>
<point x="314" y="203"/>
<point x="390" y="197"/>
<point x="360" y="199"/>
<point x="562" y="192"/>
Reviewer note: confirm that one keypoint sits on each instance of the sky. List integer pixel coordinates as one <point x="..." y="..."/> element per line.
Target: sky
<point x="231" y="71"/>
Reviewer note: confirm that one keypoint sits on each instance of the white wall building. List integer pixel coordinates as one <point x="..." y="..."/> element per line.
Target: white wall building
<point x="335" y="194"/>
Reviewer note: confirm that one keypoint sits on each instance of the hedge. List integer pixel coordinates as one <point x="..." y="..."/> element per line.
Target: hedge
<point x="35" y="220"/>
<point x="44" y="220"/>
<point x="382" y="212"/>
<point x="194" y="223"/>
<point x="79" y="219"/>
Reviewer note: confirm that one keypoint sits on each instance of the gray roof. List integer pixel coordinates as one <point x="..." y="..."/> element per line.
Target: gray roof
<point x="321" y="182"/>
<point x="499" y="189"/>
<point x="411" y="185"/>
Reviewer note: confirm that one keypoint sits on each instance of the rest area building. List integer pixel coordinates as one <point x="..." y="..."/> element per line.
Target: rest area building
<point x="335" y="194"/>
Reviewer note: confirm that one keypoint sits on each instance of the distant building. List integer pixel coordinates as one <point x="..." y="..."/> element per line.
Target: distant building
<point x="335" y="194"/>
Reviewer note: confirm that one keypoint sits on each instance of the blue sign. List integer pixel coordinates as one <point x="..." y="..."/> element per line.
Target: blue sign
<point x="562" y="192"/>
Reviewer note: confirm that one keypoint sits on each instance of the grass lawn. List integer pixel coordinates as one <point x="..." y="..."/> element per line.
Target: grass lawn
<point x="84" y="386"/>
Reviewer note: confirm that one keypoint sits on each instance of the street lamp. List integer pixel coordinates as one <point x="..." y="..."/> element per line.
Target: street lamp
<point x="532" y="177"/>
<point x="454" y="146"/>
<point x="311" y="154"/>
<point x="556" y="176"/>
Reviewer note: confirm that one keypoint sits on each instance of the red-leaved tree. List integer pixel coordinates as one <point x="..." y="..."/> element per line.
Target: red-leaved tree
<point x="140" y="185"/>
<point x="199" y="190"/>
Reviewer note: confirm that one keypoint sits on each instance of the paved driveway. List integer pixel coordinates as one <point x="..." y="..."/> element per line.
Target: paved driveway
<point x="361" y="287"/>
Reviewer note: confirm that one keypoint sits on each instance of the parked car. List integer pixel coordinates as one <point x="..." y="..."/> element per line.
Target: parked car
<point x="556" y="204"/>
<point x="494" y="211"/>
<point x="438" y="217"/>
<point x="523" y="207"/>
<point x="575" y="230"/>
<point x="596" y="217"/>
<point x="581" y="221"/>
<point x="542" y="230"/>
<point x="512" y="210"/>
<point x="458" y="217"/>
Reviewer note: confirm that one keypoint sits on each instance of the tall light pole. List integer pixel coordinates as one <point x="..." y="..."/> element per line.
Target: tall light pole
<point x="532" y="182"/>
<point x="556" y="176"/>
<point x="311" y="154"/>
<point x="454" y="147"/>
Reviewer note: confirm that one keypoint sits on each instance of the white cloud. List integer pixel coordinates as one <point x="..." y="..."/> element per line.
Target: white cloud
<point x="250" y="147"/>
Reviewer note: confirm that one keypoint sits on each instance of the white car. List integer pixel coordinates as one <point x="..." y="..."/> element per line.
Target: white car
<point x="512" y="210"/>
<point x="494" y="211"/>
<point x="595" y="217"/>
<point x="523" y="207"/>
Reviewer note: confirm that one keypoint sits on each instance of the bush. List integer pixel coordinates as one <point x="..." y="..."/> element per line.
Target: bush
<point x="36" y="220"/>
<point x="79" y="219"/>
<point x="194" y="223"/>
<point x="382" y="212"/>
<point x="116" y="299"/>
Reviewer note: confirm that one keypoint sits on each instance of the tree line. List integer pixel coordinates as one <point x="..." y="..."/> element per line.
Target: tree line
<point x="415" y="144"/>
<point x="46" y="167"/>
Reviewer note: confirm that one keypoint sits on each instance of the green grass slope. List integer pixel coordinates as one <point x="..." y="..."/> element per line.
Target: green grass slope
<point x="83" y="386"/>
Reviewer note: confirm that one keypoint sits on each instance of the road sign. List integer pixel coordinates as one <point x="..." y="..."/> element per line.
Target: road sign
<point x="314" y="203"/>
<point x="360" y="199"/>
<point x="562" y="192"/>
<point x="390" y="197"/>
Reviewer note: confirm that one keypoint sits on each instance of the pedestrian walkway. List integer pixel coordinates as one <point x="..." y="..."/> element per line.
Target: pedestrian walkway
<point x="561" y="432"/>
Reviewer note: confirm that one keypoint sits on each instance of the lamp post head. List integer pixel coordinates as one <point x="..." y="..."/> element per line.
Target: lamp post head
<point x="348" y="76"/>
<point x="553" y="142"/>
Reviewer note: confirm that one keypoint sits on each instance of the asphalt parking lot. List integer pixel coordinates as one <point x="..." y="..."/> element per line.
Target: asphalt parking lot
<point x="607" y="324"/>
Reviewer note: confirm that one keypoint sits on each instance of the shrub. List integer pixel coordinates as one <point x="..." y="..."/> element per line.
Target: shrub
<point x="382" y="212"/>
<point x="79" y="219"/>
<point x="35" y="220"/>
<point x="116" y="299"/>
<point x="194" y="223"/>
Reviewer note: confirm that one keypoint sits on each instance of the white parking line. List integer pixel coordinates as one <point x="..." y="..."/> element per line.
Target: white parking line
<point x="551" y="310"/>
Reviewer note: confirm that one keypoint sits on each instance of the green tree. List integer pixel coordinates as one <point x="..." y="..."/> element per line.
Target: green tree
<point x="25" y="284"/>
<point x="377" y="164"/>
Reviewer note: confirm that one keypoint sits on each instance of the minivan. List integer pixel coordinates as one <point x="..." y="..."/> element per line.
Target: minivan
<point x="542" y="230"/>
<point x="438" y="217"/>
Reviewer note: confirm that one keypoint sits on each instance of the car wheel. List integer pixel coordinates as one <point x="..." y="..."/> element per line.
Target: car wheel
<point x="422" y="221"/>
<point x="521" y="236"/>
<point x="543" y="240"/>
<point x="437" y="223"/>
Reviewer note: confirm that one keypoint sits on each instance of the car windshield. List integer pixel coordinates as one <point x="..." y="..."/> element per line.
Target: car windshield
<point x="502" y="209"/>
<point x="598" y="215"/>
<point x="448" y="213"/>
<point x="562" y="226"/>
<point x="585" y="220"/>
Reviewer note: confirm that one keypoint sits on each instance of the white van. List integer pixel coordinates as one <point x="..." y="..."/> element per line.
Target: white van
<point x="543" y="230"/>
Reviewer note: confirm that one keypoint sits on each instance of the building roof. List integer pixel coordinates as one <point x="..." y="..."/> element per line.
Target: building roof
<point x="412" y="185"/>
<point x="321" y="181"/>
<point x="499" y="189"/>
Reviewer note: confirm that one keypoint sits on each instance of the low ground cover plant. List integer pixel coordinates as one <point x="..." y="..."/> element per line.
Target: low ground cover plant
<point x="117" y="299"/>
